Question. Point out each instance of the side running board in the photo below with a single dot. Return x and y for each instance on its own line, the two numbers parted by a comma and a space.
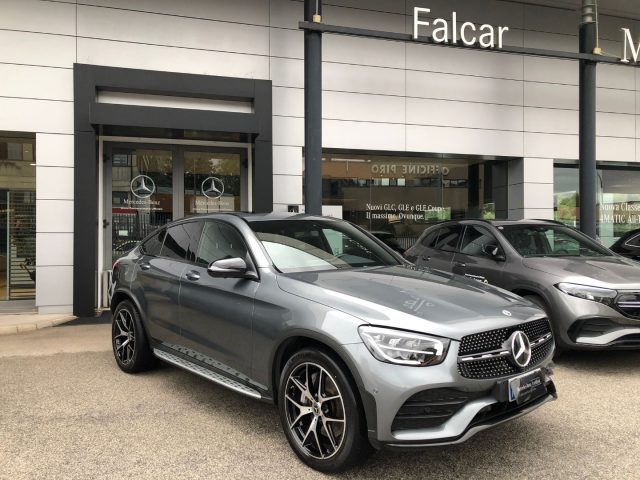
206, 373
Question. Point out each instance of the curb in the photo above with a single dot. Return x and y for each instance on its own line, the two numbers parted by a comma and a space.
23, 327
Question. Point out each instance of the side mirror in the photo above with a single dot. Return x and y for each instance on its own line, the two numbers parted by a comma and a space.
231, 268
494, 252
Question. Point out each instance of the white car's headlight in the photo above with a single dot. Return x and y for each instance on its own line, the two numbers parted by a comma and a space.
596, 294
403, 348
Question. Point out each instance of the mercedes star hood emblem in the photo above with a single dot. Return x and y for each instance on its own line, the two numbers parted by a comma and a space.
520, 348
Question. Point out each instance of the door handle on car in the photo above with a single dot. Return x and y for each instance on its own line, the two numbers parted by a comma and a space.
425, 258
192, 275
145, 266
461, 265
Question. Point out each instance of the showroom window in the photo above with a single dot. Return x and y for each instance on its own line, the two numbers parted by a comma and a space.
618, 199
403, 194
17, 217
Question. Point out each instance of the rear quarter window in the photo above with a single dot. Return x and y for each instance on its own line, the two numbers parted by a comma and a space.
153, 245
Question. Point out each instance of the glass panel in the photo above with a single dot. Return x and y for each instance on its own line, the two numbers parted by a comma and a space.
211, 182
475, 241
219, 242
319, 245
400, 195
618, 200
448, 238
182, 240
141, 195
17, 218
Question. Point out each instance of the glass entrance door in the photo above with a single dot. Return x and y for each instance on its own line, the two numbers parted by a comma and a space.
139, 195
148, 185
212, 181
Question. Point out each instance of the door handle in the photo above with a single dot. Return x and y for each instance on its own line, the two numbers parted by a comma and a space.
193, 276
425, 258
145, 266
461, 265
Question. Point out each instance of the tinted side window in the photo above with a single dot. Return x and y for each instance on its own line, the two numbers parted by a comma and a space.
220, 241
448, 238
181, 241
476, 239
430, 239
154, 244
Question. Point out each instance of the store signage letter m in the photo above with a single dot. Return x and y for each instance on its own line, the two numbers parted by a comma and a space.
628, 42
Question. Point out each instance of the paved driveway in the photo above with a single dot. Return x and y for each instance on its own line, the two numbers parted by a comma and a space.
67, 411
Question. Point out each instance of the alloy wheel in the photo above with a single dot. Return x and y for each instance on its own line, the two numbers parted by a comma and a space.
124, 337
315, 410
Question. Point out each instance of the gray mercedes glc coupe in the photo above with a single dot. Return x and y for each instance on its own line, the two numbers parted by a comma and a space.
355, 346
591, 295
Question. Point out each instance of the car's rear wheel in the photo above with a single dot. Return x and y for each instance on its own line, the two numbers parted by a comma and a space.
128, 339
319, 412
561, 346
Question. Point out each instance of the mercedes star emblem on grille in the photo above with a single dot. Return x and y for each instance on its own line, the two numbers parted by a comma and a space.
520, 348
212, 188
143, 186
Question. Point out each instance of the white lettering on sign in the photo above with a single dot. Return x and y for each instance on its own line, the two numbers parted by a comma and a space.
468, 31
628, 41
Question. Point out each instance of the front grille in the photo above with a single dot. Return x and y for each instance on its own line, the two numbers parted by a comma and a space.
493, 341
629, 304
431, 408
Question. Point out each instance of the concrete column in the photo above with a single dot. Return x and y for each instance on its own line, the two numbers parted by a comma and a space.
531, 188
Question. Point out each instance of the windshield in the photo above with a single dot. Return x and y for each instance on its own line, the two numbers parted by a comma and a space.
303, 245
551, 241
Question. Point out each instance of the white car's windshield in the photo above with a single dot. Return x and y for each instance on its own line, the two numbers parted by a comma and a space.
551, 241
302, 245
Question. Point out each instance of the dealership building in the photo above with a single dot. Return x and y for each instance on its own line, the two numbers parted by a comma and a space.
117, 116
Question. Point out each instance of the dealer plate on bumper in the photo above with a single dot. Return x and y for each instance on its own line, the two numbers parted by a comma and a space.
526, 387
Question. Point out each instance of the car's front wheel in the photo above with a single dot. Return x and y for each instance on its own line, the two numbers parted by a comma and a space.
319, 412
130, 346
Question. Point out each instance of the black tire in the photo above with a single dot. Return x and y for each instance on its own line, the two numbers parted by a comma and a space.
561, 346
347, 436
127, 330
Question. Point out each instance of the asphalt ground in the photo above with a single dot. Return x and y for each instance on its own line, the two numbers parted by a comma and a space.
67, 412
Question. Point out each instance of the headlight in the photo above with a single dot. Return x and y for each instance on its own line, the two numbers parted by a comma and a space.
596, 294
403, 348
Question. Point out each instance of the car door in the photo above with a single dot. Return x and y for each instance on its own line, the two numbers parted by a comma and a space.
480, 256
216, 313
440, 256
156, 285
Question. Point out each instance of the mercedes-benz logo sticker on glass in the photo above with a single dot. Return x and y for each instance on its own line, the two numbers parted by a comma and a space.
143, 186
212, 188
520, 348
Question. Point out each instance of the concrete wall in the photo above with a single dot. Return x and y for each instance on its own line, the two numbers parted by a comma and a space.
378, 95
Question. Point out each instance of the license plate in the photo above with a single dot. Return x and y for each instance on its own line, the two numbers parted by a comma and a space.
526, 387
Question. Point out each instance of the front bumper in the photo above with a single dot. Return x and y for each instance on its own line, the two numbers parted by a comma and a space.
482, 404
589, 325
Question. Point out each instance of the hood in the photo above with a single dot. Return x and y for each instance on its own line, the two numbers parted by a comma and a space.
613, 272
420, 300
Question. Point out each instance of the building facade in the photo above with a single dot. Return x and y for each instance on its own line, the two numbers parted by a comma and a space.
118, 116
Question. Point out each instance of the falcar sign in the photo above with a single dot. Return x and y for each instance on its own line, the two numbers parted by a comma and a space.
489, 36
